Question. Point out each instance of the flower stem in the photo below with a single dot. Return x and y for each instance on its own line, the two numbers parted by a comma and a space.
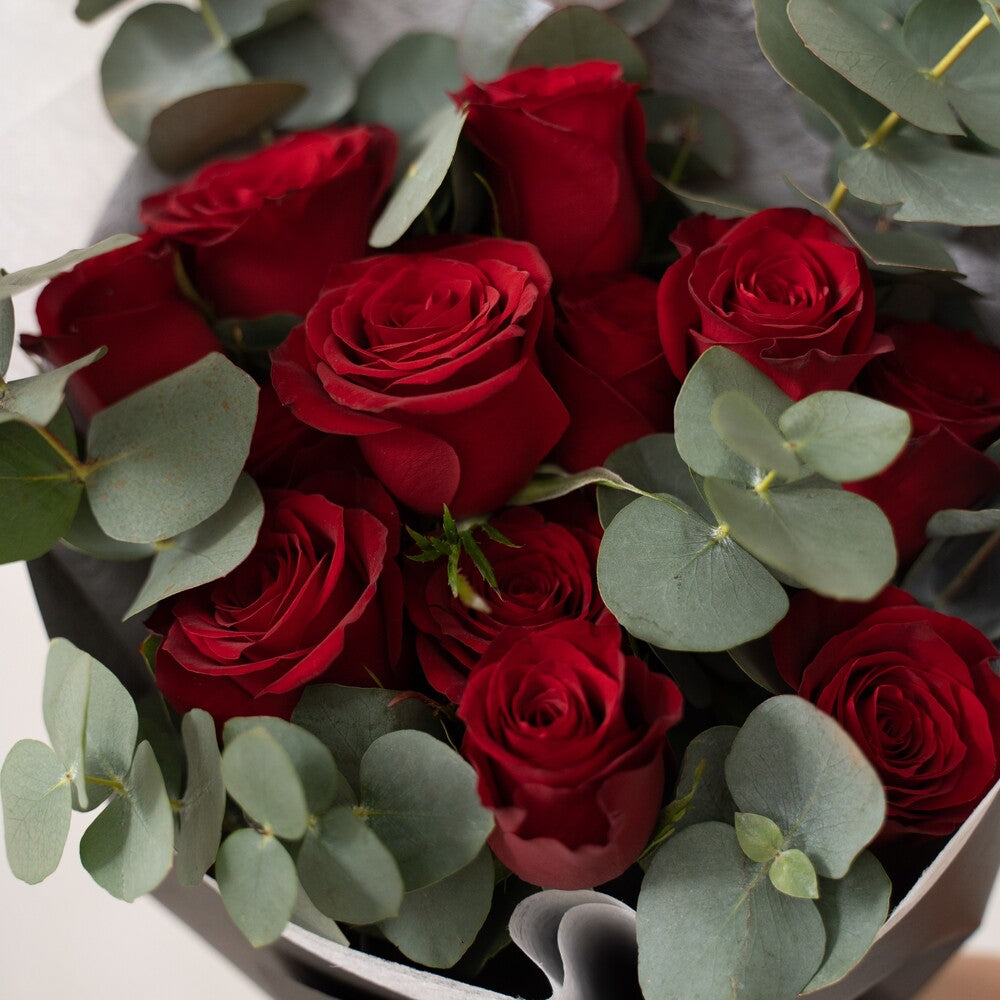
891, 120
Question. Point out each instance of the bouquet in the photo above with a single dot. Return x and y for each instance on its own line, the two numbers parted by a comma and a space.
538, 536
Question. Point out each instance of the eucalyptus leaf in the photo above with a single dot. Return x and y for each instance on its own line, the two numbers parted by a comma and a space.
834, 542
436, 925
207, 551
747, 432
636, 16
853, 909
717, 371
88, 10
6, 331
711, 926
421, 801
37, 807
348, 720
168, 456
759, 838
20, 281
550, 484
951, 522
756, 660
844, 436
792, 873
65, 698
703, 771
717, 201
257, 883
306, 915
240, 18
991, 10
577, 34
87, 536
37, 398
439, 137
304, 52
346, 871
258, 333
204, 804
129, 847
794, 763
680, 121
675, 580
493, 30
261, 776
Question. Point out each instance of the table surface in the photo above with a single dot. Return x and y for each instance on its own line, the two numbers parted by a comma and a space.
60, 158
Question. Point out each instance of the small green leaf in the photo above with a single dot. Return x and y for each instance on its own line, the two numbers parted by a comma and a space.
705, 759
129, 848
204, 804
492, 31
257, 883
347, 871
261, 776
747, 432
792, 873
794, 763
844, 436
169, 455
240, 18
550, 483
207, 551
6, 331
37, 808
20, 281
36, 399
437, 924
759, 838
950, 523
439, 137
421, 800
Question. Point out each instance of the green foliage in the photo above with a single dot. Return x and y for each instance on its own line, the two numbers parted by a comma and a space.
950, 523
745, 430
635, 16
88, 10
704, 765
86, 535
204, 804
793, 874
6, 331
550, 482
242, 18
20, 281
760, 838
37, 399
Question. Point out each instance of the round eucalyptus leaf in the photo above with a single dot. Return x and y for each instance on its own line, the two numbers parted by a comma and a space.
437, 139
240, 18
673, 580
747, 432
409, 82
87, 536
844, 436
20, 281
261, 776
306, 915
322, 783
834, 542
65, 698
88, 10
717, 371
573, 35
188, 129
129, 847
37, 399
304, 52
257, 883
795, 764
636, 16
161, 53
37, 808
756, 660
168, 456
493, 30
349, 720
711, 926
421, 801
792, 873
437, 924
950, 523
853, 909
207, 551
204, 804
759, 837
6, 332
703, 772
346, 871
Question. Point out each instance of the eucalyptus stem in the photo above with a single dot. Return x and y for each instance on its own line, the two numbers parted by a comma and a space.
219, 36
105, 783
891, 120
78, 467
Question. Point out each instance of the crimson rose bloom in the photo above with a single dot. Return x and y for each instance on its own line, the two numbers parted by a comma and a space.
548, 577
429, 358
566, 152
782, 288
264, 229
319, 597
128, 301
568, 737
914, 689
607, 365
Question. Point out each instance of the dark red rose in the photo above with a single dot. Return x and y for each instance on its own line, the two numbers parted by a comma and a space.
915, 690
318, 598
568, 737
264, 229
429, 359
607, 365
566, 159
783, 289
549, 577
128, 301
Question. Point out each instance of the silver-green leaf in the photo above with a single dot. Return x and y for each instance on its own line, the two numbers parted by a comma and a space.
20, 281
204, 803
37, 398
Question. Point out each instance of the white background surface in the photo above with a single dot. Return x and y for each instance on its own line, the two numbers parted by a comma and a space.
60, 158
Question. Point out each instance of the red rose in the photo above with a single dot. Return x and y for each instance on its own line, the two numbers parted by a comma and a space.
913, 688
568, 737
128, 301
783, 289
264, 229
429, 358
549, 577
566, 152
607, 365
320, 596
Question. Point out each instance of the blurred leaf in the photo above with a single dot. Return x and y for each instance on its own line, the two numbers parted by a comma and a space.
492, 31
680, 121
36, 810
792, 873
756, 660
20, 281
747, 432
720, 203
204, 804
88, 10
168, 456
636, 16
6, 330
260, 333
992, 11
304, 52
37, 398
951, 522
240, 18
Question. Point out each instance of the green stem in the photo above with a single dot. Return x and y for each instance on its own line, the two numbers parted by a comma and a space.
212, 22
79, 468
106, 783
